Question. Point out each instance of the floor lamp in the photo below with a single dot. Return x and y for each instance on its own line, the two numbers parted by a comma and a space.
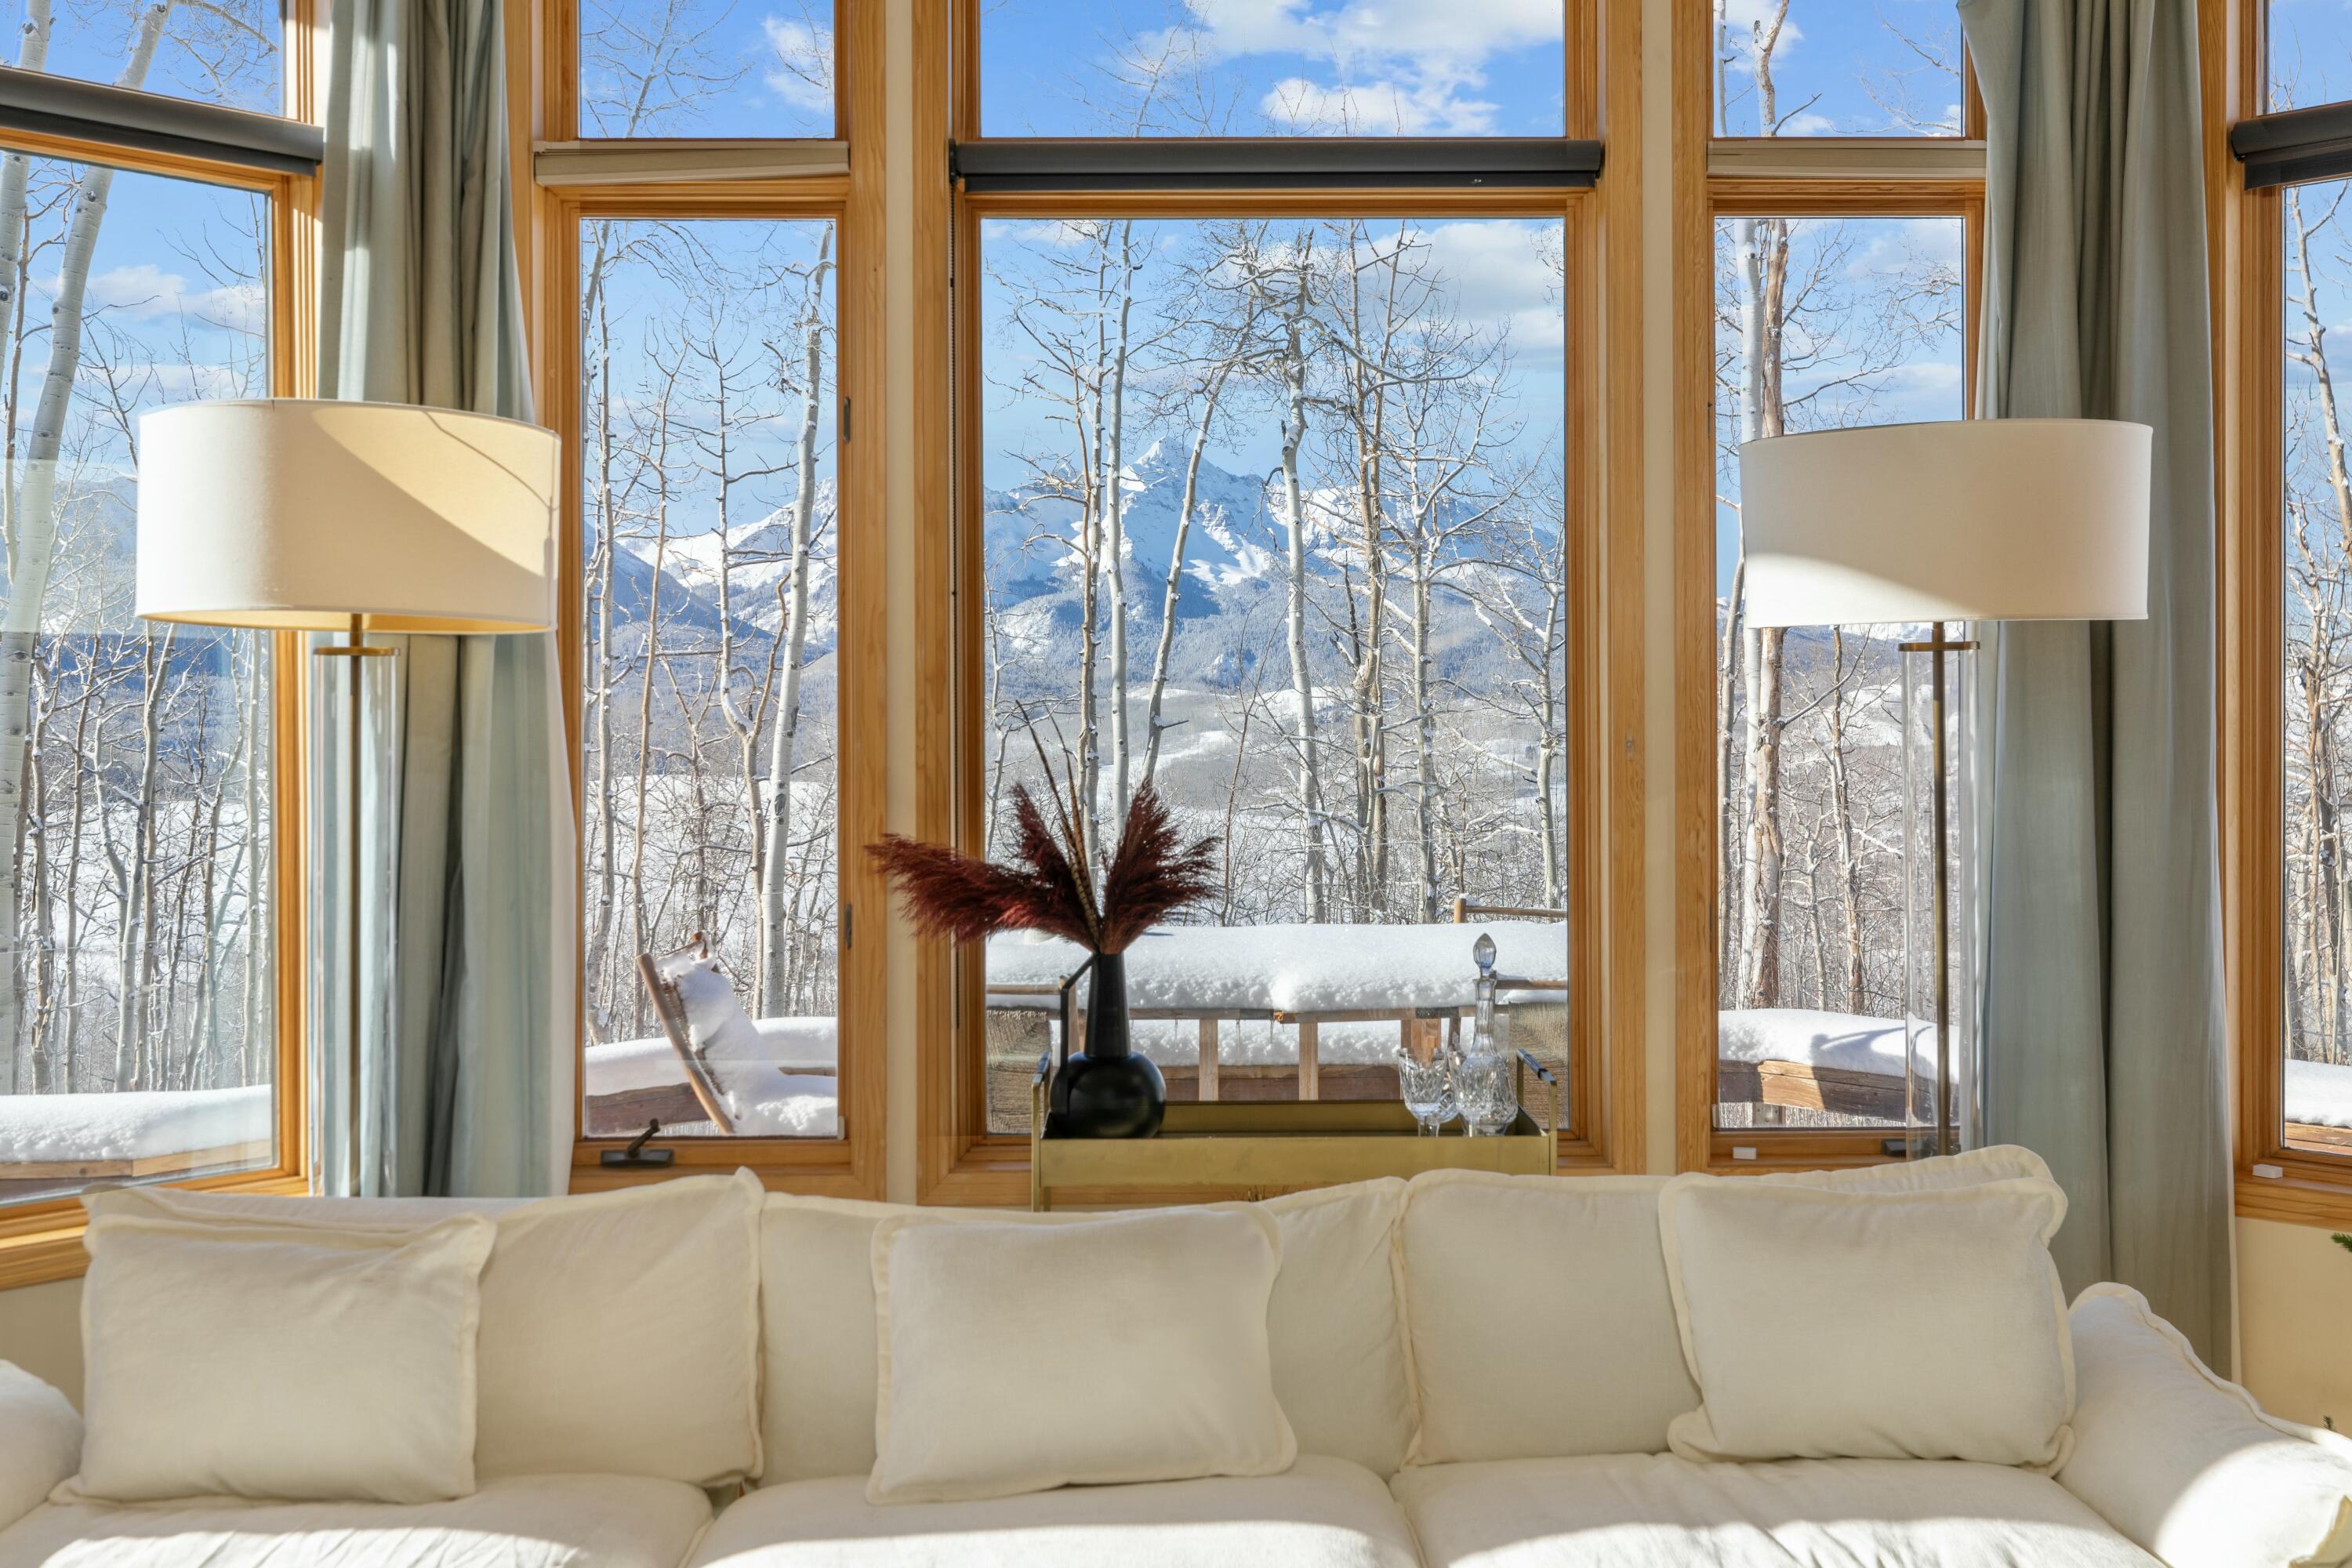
295, 514
1937, 525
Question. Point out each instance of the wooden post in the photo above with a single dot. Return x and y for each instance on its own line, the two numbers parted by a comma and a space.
1208, 1086
1309, 1042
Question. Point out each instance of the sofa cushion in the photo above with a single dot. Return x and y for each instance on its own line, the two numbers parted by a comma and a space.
655, 1288
542, 1521
1320, 1513
1572, 1265
1019, 1358
1910, 1325
1654, 1511
1332, 1326
230, 1361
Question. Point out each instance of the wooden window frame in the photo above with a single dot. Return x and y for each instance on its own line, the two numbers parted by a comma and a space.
1714, 177
602, 181
41, 1242
2247, 255
957, 1160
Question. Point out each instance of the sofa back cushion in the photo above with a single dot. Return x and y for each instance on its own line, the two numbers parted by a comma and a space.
301, 1363
1538, 1316
620, 1332
1332, 1325
1893, 1325
1540, 1322
1128, 1348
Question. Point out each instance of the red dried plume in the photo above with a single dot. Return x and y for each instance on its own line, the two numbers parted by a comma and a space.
1047, 888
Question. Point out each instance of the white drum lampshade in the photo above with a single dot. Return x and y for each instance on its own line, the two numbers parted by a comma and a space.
1963, 520
297, 514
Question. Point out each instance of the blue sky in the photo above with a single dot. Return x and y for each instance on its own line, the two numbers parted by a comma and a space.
1849, 67
2310, 52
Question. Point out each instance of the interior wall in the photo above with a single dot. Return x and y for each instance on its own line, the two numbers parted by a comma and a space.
40, 1330
2294, 1297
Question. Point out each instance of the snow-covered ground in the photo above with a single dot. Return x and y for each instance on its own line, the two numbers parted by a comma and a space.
41, 1127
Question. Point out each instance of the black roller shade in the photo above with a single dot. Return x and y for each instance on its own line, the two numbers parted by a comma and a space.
1274, 163
151, 122
2295, 145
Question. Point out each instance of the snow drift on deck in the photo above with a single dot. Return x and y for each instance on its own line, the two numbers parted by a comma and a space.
1847, 1042
2319, 1094
1296, 968
142, 1125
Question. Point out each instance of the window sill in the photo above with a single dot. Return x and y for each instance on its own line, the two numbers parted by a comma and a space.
2297, 1197
45, 1245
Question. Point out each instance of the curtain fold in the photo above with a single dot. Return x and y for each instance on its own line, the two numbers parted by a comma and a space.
465, 1081
2103, 1029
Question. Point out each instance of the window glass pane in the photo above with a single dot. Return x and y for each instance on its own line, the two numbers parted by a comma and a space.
1367, 706
1273, 67
706, 68
1831, 67
137, 1022
220, 51
1819, 323
2316, 517
707, 446
2310, 53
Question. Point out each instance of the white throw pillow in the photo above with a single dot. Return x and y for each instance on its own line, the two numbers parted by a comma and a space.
1823, 1324
302, 1365
2187, 1463
620, 1330
1015, 1358
1333, 1324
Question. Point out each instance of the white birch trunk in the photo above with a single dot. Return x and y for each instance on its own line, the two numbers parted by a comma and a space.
776, 924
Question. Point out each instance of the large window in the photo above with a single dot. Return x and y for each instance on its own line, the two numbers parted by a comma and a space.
1820, 322
709, 550
137, 1020
1274, 521
1811, 301
2288, 593
714, 366
1278, 399
149, 1030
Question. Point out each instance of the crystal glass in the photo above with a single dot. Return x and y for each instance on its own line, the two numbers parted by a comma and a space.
1489, 1098
1427, 1090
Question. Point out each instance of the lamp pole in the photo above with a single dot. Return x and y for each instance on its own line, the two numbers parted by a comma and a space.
352, 652
1938, 647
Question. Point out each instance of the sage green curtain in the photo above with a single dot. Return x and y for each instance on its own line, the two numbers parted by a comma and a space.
466, 1076
2103, 983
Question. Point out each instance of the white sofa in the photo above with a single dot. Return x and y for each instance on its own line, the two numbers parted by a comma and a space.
1529, 1435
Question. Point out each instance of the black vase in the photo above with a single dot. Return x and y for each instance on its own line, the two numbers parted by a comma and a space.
1107, 1090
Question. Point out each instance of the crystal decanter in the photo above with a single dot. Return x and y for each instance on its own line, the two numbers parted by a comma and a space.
1488, 1099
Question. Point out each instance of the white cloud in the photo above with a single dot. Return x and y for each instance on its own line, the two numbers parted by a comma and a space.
803, 73
145, 292
1378, 108
1405, 30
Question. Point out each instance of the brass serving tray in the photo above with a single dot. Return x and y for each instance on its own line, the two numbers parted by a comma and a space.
1263, 1146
